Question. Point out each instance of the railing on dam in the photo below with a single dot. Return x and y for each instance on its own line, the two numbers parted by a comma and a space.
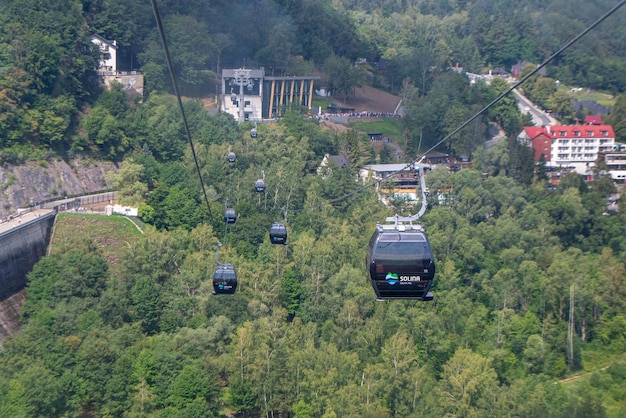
80, 201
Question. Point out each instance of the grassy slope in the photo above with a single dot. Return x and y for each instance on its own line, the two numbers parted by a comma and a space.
603, 99
391, 128
112, 235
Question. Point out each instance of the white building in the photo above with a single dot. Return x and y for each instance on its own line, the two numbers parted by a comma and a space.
574, 146
250, 95
616, 163
108, 54
108, 72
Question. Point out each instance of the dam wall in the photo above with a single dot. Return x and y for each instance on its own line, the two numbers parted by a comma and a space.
23, 241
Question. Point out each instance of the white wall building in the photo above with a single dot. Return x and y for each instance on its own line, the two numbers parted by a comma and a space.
574, 146
108, 53
616, 163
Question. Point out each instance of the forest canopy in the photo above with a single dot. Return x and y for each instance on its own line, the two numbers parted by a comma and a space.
522, 271
531, 280
49, 87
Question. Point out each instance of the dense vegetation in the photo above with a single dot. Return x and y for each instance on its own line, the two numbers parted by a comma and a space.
48, 89
531, 282
304, 336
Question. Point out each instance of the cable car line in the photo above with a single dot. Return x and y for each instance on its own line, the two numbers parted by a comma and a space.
472, 118
408, 165
230, 216
399, 256
157, 17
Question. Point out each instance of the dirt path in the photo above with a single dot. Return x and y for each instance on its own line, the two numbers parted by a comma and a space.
370, 99
580, 376
336, 128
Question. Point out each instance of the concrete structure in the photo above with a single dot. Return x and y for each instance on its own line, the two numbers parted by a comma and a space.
124, 210
23, 241
249, 95
574, 146
616, 163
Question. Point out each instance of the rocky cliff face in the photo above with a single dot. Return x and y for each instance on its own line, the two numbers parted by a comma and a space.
24, 185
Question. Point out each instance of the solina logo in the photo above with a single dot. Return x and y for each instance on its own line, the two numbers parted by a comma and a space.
392, 278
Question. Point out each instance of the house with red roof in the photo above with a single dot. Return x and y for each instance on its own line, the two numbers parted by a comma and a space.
574, 146
539, 138
593, 120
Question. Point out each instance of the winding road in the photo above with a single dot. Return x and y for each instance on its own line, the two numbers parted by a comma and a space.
540, 118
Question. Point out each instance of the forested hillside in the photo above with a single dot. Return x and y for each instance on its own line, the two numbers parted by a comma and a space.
520, 268
530, 285
48, 88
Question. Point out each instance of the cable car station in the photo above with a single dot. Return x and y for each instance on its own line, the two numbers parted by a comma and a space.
250, 95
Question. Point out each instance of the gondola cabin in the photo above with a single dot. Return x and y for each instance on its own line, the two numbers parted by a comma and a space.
231, 157
259, 186
278, 233
230, 216
253, 133
224, 279
400, 263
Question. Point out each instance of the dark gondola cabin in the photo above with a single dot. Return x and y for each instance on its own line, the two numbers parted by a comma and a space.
224, 279
230, 216
259, 186
253, 133
278, 233
231, 157
400, 262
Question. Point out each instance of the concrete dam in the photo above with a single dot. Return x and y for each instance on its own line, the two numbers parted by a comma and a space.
23, 241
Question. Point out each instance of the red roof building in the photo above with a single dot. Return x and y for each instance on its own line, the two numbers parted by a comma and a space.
593, 120
569, 145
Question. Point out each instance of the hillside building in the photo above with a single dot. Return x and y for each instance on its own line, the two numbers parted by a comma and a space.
108, 71
576, 146
108, 53
395, 180
616, 163
250, 95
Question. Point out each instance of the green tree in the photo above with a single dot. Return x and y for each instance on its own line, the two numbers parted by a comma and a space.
240, 397
41, 390
191, 383
617, 118
541, 91
343, 77
146, 304
468, 386
534, 354
127, 181
291, 292
189, 43
561, 104
302, 410
505, 112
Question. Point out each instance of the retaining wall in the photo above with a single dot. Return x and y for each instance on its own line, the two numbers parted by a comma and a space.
20, 248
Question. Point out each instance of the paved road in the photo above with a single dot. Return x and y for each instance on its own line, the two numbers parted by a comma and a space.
540, 118
22, 219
